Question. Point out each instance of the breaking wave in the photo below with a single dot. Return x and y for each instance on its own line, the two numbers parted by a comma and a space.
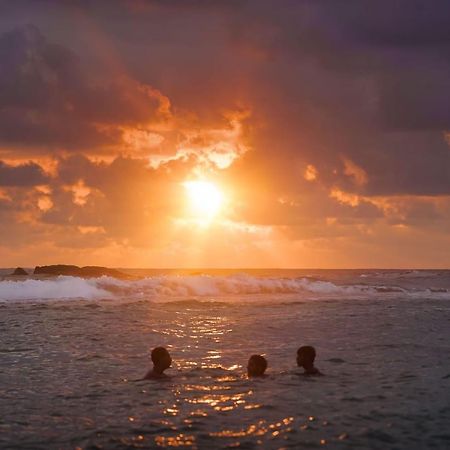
170, 287
55, 288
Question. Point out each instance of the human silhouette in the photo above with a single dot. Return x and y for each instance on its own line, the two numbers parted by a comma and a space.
305, 358
161, 361
256, 366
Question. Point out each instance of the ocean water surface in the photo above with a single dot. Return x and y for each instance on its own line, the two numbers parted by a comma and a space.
71, 351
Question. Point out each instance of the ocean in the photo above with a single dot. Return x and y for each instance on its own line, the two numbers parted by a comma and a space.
72, 352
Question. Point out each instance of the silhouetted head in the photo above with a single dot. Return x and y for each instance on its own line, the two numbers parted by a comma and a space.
306, 356
256, 366
161, 359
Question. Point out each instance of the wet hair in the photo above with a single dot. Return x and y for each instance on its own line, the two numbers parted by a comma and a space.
260, 362
307, 352
158, 353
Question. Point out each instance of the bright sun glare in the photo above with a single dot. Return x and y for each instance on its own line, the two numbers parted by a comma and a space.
204, 197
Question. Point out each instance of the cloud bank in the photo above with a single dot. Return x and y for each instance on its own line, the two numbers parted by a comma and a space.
326, 125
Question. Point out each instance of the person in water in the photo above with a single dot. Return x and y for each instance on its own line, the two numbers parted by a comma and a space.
161, 361
256, 366
305, 358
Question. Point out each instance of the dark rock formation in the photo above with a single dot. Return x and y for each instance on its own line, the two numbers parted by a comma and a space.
58, 269
75, 271
19, 271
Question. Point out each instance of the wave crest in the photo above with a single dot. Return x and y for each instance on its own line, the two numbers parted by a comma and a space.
194, 286
61, 287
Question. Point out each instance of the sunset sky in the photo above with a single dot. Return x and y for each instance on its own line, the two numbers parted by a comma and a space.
225, 133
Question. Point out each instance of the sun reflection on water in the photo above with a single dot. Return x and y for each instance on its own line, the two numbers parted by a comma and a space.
211, 387
261, 428
220, 402
172, 411
181, 440
199, 387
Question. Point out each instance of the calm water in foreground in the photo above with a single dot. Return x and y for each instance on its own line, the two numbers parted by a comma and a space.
70, 348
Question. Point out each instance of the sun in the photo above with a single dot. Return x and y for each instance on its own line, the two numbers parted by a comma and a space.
205, 198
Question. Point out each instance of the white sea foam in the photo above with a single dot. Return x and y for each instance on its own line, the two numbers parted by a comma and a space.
241, 286
61, 287
205, 285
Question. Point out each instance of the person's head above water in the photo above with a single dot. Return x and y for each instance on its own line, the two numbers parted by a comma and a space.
256, 366
305, 358
161, 359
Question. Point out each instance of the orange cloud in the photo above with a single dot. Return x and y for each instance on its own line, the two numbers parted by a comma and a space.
345, 197
310, 173
352, 170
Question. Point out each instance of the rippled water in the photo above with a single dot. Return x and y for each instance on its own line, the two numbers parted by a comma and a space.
67, 368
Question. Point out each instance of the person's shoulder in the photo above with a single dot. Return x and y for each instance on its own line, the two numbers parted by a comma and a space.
312, 372
155, 376
151, 375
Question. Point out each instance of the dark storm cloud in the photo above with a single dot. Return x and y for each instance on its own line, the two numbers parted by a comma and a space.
188, 3
366, 80
404, 23
48, 98
327, 82
23, 175
418, 100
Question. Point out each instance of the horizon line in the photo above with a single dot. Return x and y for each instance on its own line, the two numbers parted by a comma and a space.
231, 268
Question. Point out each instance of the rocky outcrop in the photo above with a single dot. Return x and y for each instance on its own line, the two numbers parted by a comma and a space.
75, 271
19, 271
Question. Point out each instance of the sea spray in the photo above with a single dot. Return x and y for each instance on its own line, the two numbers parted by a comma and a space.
165, 287
61, 287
